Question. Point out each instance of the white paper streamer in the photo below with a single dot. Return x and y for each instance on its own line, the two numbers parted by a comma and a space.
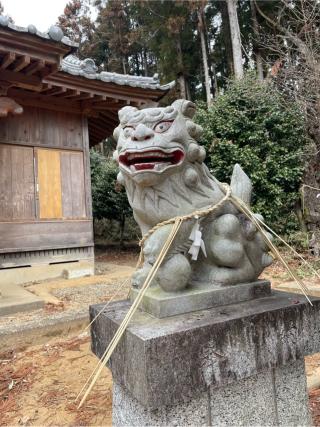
197, 241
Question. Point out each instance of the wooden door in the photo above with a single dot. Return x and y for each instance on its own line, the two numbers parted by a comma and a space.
17, 183
49, 184
61, 184
73, 187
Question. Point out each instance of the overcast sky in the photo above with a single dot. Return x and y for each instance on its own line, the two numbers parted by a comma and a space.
41, 13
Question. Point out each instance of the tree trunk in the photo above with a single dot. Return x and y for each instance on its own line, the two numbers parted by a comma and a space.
256, 49
145, 62
204, 55
310, 192
301, 220
211, 65
235, 38
137, 64
124, 65
122, 228
181, 76
182, 86
187, 89
226, 36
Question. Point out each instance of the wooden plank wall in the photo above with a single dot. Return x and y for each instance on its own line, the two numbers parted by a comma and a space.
17, 187
43, 128
87, 173
16, 237
20, 138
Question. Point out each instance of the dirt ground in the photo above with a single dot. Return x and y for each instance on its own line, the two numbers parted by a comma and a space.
39, 384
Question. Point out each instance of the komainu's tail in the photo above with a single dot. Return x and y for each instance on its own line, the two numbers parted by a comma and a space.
241, 185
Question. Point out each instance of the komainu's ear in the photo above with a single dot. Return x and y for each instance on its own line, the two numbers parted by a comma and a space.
187, 108
116, 133
125, 113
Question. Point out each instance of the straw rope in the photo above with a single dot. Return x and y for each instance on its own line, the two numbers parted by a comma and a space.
117, 292
260, 224
113, 343
177, 221
176, 224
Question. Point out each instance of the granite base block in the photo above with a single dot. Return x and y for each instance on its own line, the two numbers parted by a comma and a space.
275, 397
239, 364
127, 411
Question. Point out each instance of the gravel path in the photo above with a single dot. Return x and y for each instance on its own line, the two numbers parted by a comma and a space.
87, 295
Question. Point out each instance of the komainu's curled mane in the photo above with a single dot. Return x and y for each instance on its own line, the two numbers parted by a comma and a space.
161, 166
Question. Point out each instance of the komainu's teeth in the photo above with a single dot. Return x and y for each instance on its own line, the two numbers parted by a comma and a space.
131, 156
156, 160
160, 166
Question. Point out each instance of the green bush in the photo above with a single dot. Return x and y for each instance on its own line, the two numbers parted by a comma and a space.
109, 201
252, 125
108, 231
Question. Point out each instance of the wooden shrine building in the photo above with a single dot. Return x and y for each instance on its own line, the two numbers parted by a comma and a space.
67, 107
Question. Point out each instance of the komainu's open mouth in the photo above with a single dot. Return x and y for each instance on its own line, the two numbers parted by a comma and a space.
153, 160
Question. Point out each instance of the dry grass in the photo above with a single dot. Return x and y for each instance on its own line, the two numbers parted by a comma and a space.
278, 274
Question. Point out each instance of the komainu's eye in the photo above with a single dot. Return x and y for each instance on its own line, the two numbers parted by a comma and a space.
127, 131
162, 126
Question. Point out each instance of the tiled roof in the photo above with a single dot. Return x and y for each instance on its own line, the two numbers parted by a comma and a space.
88, 69
54, 33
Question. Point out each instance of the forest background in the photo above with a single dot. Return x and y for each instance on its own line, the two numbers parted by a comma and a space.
253, 68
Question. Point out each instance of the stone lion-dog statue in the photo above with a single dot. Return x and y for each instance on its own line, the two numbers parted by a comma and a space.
162, 169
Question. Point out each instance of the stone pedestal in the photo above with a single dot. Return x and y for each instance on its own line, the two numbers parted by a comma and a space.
199, 296
238, 364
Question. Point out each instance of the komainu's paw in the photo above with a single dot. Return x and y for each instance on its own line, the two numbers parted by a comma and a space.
139, 276
174, 274
238, 248
226, 241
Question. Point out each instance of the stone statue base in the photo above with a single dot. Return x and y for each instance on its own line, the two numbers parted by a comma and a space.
239, 364
200, 296
274, 397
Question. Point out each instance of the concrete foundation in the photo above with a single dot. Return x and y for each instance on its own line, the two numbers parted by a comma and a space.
239, 364
70, 270
14, 299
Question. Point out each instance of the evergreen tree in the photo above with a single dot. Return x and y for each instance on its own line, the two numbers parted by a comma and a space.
253, 125
292, 46
76, 24
108, 200
173, 39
